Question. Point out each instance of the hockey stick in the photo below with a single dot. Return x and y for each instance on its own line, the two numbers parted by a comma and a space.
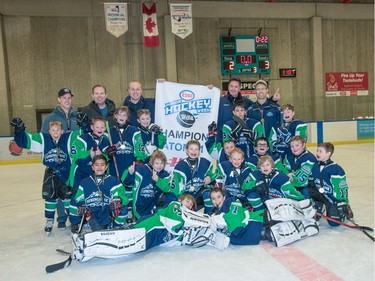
361, 228
355, 226
114, 156
64, 264
343, 223
61, 251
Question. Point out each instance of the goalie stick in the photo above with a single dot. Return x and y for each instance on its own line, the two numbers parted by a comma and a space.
64, 264
364, 229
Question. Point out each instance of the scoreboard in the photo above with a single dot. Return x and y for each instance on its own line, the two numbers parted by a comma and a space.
244, 55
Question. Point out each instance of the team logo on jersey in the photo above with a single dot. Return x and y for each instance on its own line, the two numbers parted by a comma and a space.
54, 156
188, 108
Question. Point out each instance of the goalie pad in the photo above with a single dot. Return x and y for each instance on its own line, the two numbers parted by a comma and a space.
195, 219
108, 244
283, 209
200, 236
284, 233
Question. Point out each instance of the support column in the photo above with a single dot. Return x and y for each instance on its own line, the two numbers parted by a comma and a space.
5, 102
317, 67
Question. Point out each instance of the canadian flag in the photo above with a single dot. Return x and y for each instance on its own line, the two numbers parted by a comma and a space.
150, 26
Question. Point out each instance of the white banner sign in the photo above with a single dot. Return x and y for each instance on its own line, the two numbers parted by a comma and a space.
181, 19
184, 112
116, 18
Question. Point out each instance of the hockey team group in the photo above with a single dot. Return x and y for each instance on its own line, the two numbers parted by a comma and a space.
108, 172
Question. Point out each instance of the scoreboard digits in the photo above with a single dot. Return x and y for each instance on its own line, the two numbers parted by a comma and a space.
244, 55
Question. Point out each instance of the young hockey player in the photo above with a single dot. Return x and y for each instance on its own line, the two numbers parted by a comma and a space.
173, 225
216, 149
235, 221
233, 173
268, 183
289, 128
283, 221
262, 148
297, 164
330, 192
128, 142
242, 130
101, 198
55, 148
152, 135
150, 185
193, 175
84, 149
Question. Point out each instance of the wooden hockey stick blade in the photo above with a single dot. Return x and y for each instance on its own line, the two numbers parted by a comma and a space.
58, 266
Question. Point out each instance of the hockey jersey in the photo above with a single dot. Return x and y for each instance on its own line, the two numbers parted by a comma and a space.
130, 148
331, 177
259, 187
96, 195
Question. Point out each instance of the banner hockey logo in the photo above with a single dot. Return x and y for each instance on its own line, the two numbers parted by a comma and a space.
187, 108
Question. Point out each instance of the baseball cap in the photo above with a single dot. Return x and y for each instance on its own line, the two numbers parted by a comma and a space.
260, 81
64, 91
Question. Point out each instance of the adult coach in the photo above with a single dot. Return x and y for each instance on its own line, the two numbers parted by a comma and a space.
264, 110
101, 105
64, 112
233, 96
135, 101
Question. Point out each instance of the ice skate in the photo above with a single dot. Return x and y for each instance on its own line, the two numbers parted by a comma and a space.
49, 226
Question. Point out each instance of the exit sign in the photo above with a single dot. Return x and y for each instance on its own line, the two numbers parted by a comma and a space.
288, 72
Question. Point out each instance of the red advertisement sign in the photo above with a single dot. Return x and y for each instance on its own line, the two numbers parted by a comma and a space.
346, 84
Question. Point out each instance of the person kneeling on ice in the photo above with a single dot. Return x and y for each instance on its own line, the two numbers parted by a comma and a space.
330, 188
173, 225
283, 221
100, 198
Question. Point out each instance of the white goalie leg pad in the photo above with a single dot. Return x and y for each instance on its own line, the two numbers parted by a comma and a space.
197, 236
307, 208
201, 236
287, 232
219, 241
109, 244
195, 219
283, 209
310, 226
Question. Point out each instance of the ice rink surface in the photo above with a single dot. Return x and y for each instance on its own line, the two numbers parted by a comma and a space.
334, 254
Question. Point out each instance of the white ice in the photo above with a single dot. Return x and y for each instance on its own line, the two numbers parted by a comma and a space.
334, 254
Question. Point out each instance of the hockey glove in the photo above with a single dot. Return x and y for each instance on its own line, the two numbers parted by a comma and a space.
139, 163
344, 210
111, 150
155, 129
82, 120
280, 147
115, 206
18, 125
212, 129
236, 132
249, 134
83, 211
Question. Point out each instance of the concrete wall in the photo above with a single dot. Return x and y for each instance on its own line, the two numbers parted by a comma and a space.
48, 45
